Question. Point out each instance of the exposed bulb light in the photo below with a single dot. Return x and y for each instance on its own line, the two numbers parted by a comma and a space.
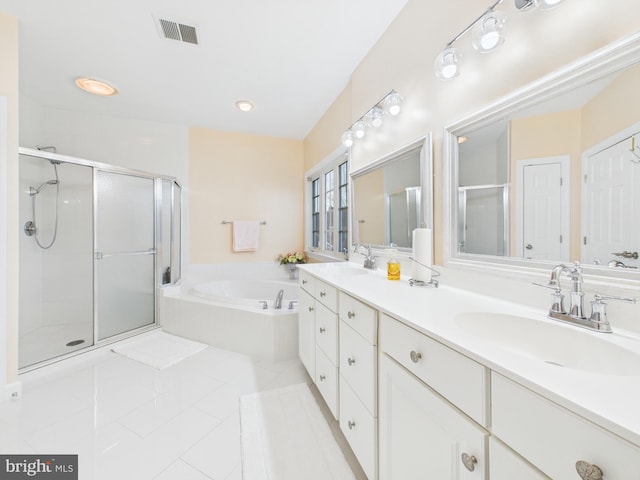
96, 87
244, 105
376, 116
447, 64
347, 138
393, 103
358, 129
487, 34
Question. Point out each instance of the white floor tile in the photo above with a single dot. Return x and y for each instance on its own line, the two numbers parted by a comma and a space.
218, 454
179, 470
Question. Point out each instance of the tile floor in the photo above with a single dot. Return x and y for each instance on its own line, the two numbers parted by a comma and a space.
126, 420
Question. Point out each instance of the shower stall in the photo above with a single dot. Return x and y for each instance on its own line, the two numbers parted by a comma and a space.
98, 243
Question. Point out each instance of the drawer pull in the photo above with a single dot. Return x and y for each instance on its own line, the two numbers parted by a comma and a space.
469, 461
415, 356
322, 330
322, 377
304, 282
351, 424
311, 309
323, 294
351, 361
350, 314
587, 471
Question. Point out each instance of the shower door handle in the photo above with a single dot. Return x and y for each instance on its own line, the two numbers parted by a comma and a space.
101, 255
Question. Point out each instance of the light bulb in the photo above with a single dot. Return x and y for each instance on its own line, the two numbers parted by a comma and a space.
376, 116
244, 105
393, 103
447, 64
358, 129
347, 138
487, 34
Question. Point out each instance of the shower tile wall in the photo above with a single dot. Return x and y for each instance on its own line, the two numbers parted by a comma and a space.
56, 284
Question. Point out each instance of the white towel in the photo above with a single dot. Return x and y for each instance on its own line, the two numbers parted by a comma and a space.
246, 235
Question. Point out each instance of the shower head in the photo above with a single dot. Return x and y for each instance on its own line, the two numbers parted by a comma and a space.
35, 191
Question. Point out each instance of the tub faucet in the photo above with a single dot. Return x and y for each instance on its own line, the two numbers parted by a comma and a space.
278, 303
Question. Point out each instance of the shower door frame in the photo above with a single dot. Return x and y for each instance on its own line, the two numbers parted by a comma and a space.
159, 244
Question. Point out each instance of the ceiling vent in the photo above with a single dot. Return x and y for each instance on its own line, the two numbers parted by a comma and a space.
177, 31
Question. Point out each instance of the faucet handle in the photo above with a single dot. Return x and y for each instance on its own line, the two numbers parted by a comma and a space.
557, 306
599, 309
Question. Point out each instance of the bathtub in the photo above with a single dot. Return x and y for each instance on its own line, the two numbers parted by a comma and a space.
226, 310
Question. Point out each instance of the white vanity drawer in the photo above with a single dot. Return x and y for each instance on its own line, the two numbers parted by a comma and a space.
327, 332
358, 365
359, 316
505, 464
307, 281
459, 379
327, 295
359, 428
327, 381
552, 438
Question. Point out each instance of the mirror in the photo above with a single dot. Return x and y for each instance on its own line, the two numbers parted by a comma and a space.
393, 196
552, 172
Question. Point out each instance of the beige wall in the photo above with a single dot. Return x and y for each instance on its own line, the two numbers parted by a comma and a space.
615, 108
548, 136
537, 42
370, 223
9, 89
236, 176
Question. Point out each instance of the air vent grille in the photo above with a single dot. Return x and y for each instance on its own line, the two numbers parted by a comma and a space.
177, 31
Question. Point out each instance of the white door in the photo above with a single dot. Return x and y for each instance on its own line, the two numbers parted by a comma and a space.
543, 236
609, 205
421, 435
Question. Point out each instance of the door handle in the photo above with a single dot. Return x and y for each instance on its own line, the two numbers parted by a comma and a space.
626, 254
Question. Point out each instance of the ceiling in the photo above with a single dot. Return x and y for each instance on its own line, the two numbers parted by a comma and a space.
290, 58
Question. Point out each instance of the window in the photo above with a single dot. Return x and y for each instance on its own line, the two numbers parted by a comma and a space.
328, 211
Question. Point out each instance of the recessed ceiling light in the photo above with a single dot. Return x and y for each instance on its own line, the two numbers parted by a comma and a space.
96, 87
244, 105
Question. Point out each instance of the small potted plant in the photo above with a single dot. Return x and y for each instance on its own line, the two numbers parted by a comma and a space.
291, 261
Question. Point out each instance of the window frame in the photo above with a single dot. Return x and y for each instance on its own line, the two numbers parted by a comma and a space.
331, 163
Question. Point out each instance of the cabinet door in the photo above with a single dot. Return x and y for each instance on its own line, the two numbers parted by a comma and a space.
306, 332
422, 435
505, 464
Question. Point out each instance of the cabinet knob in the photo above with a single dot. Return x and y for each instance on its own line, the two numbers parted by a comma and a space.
304, 282
351, 361
350, 314
322, 377
311, 309
351, 424
469, 461
323, 294
415, 356
322, 330
587, 471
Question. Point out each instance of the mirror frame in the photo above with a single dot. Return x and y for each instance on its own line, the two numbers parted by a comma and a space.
425, 143
616, 56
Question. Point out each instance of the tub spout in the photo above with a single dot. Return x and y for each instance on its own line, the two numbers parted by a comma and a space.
278, 303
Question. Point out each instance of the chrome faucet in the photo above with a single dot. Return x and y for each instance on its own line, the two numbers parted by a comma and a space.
597, 320
369, 259
278, 303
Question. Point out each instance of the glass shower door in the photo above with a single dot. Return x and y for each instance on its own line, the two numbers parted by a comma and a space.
124, 254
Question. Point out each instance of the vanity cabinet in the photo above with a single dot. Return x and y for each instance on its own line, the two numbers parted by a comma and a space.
358, 380
318, 336
505, 464
554, 439
423, 434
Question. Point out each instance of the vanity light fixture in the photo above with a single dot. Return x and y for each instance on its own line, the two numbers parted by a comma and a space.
96, 87
244, 105
486, 37
390, 104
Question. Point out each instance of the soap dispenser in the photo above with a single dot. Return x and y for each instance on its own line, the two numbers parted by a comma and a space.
393, 265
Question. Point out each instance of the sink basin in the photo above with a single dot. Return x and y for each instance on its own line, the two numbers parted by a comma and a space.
555, 344
346, 269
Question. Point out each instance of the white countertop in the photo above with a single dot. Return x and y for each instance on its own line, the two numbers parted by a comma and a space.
612, 401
